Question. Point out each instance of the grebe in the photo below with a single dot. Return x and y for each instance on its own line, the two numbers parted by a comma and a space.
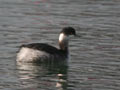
42, 52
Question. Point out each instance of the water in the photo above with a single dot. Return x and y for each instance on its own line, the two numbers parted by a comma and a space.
95, 57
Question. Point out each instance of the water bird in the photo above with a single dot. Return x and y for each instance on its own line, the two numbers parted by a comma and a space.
41, 52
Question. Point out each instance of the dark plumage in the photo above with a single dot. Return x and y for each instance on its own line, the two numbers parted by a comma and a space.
68, 31
43, 47
42, 51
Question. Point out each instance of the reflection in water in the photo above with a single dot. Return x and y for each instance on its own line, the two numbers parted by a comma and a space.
95, 62
49, 75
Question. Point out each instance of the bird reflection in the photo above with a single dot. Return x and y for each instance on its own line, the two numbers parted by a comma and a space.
43, 75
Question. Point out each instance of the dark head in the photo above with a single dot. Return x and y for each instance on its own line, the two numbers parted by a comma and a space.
68, 31
64, 37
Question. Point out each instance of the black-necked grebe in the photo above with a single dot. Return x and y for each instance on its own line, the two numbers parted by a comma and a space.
40, 51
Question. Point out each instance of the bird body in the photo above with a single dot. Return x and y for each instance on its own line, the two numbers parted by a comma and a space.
43, 52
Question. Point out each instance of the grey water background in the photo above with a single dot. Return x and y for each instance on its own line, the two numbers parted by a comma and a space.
95, 56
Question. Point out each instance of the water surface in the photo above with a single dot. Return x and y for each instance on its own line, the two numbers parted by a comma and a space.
95, 57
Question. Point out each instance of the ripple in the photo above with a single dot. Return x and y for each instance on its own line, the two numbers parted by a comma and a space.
95, 55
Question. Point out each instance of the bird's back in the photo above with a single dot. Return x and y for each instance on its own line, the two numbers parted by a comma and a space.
41, 51
42, 47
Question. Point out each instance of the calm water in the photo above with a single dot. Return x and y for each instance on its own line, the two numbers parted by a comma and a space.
95, 57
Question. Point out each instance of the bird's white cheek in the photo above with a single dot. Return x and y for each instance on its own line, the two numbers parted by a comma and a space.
63, 37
